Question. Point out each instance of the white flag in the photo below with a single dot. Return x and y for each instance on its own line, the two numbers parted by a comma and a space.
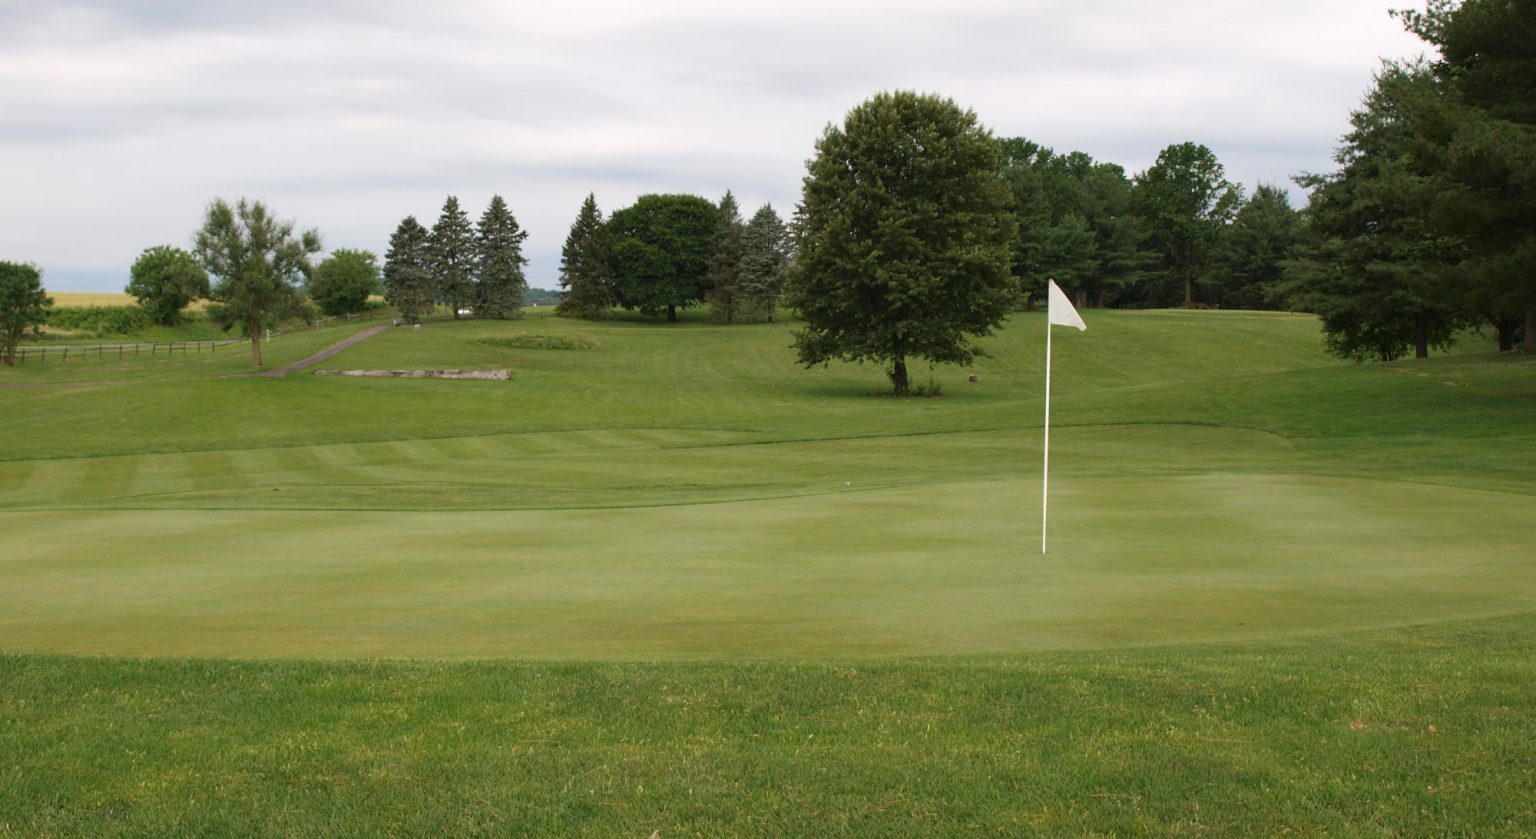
1060, 311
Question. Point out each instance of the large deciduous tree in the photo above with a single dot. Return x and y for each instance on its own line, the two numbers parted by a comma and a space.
499, 262
659, 250
904, 234
1187, 201
452, 261
584, 268
260, 263
23, 306
408, 284
342, 282
165, 279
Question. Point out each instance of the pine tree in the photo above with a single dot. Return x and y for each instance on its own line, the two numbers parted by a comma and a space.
408, 282
453, 256
724, 278
764, 258
584, 270
499, 262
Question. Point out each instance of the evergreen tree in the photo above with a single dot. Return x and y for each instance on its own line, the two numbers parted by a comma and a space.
1482, 131
584, 270
1373, 268
724, 277
764, 262
453, 256
499, 262
408, 284
1252, 252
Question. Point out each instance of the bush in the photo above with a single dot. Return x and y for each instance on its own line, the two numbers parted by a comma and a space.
99, 320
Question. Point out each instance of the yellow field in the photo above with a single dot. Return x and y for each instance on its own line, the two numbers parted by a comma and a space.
90, 298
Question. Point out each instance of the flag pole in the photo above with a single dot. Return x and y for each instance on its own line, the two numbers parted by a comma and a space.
1045, 479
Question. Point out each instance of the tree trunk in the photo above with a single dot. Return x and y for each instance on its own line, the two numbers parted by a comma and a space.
1189, 287
1421, 337
671, 314
254, 325
899, 377
1529, 344
1506, 327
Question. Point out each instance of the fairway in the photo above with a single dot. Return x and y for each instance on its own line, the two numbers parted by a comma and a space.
688, 493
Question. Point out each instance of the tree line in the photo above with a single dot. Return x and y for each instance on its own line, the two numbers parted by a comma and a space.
665, 253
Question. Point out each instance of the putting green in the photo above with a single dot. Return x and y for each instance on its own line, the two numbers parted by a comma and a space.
942, 568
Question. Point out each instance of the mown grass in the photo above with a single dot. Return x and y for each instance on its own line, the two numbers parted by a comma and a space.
1412, 732
703, 590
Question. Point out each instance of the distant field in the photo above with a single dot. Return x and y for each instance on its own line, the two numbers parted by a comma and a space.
1283, 593
90, 298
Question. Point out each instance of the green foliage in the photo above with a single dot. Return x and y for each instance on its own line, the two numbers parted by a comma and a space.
343, 281
1480, 134
659, 250
1187, 202
259, 262
724, 279
23, 306
451, 256
408, 284
765, 256
499, 262
903, 237
165, 279
1250, 256
584, 265
1077, 224
1373, 268
100, 320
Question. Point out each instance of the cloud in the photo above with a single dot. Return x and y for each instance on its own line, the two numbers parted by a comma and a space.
125, 119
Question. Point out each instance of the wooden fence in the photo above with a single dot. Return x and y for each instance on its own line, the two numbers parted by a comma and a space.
65, 352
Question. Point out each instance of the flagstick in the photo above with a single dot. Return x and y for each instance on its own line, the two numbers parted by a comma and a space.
1045, 480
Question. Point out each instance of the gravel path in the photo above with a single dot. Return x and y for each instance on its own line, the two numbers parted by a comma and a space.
325, 353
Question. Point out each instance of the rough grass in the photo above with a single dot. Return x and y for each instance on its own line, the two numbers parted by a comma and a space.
709, 592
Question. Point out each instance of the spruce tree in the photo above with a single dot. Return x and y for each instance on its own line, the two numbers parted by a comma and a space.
764, 258
408, 284
584, 270
499, 262
453, 256
724, 278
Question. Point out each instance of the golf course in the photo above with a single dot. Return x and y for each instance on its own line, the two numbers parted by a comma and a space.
665, 578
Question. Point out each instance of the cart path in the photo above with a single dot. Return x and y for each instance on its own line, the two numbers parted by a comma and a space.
325, 353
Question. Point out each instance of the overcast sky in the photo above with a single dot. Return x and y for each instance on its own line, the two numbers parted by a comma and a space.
120, 121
